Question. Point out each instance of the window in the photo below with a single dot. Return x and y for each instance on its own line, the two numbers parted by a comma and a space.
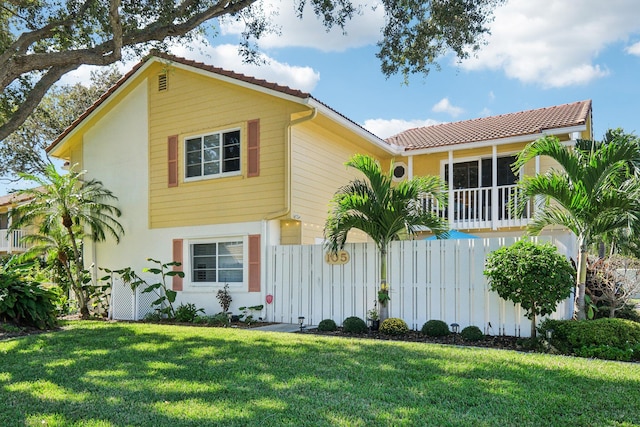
212, 155
217, 262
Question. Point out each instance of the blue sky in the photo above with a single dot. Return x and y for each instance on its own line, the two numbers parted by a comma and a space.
540, 53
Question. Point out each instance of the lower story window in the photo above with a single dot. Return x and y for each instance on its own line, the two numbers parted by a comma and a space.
217, 262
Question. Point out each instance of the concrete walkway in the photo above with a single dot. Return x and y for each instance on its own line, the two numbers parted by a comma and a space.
278, 327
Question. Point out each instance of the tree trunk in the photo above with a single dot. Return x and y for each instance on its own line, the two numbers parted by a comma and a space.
533, 326
384, 305
579, 309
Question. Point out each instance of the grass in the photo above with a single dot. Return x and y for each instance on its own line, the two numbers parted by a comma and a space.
122, 374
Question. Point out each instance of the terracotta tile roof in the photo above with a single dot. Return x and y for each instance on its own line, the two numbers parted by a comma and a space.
10, 199
531, 122
154, 54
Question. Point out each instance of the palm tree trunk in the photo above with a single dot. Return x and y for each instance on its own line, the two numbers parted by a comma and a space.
77, 283
384, 305
579, 310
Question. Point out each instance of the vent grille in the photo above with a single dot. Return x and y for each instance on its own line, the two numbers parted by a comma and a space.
162, 82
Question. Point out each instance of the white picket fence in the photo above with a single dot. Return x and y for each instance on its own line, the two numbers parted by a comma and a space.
439, 279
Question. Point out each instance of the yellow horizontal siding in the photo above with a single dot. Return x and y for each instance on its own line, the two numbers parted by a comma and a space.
194, 105
319, 154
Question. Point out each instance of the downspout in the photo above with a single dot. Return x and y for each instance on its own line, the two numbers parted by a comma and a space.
287, 178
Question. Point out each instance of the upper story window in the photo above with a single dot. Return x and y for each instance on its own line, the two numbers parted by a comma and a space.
214, 154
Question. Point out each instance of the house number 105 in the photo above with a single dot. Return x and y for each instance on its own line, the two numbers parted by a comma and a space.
337, 258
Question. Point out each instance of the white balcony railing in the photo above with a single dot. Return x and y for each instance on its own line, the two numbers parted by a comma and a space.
10, 241
477, 208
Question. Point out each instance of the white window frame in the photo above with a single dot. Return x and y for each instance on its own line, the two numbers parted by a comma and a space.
189, 268
220, 174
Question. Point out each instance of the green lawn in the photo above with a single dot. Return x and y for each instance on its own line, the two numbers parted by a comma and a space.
101, 374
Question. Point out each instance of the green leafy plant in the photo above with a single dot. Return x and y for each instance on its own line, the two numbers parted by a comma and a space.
24, 301
435, 328
224, 298
569, 337
327, 325
373, 314
471, 333
354, 325
533, 275
187, 313
606, 352
394, 326
247, 313
166, 296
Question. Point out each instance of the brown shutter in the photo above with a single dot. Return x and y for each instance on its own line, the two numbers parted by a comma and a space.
177, 256
173, 160
254, 263
253, 148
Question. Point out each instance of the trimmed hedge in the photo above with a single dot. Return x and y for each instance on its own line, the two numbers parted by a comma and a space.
616, 339
394, 326
435, 328
472, 333
354, 325
327, 325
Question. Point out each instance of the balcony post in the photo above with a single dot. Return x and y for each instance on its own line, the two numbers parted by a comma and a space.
450, 206
494, 187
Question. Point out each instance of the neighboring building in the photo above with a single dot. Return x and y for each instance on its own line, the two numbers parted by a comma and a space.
10, 241
212, 167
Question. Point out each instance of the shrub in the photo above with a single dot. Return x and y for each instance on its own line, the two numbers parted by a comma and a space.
26, 302
535, 276
220, 319
605, 352
591, 336
327, 325
224, 298
435, 328
472, 333
354, 325
187, 313
394, 326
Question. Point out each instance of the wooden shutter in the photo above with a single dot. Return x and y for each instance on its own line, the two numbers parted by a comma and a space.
173, 160
253, 148
254, 263
177, 256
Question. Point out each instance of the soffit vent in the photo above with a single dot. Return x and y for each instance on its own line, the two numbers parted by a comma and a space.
162, 82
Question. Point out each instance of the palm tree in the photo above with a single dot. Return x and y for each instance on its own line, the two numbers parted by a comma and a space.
596, 192
65, 209
382, 211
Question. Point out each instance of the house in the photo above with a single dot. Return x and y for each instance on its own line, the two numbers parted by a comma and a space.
10, 241
212, 168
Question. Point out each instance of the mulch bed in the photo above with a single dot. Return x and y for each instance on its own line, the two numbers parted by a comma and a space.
489, 341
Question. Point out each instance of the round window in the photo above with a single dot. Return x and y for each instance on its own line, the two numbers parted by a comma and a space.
399, 171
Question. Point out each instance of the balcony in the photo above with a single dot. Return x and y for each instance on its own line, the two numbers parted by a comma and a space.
478, 208
10, 241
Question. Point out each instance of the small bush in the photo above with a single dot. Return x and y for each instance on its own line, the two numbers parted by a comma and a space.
220, 319
472, 333
605, 352
154, 316
571, 337
354, 325
394, 326
186, 313
327, 325
435, 328
26, 302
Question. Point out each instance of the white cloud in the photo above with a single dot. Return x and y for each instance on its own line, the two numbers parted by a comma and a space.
444, 106
362, 30
634, 49
555, 45
384, 128
227, 57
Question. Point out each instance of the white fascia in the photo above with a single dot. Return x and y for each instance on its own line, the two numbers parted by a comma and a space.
338, 118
